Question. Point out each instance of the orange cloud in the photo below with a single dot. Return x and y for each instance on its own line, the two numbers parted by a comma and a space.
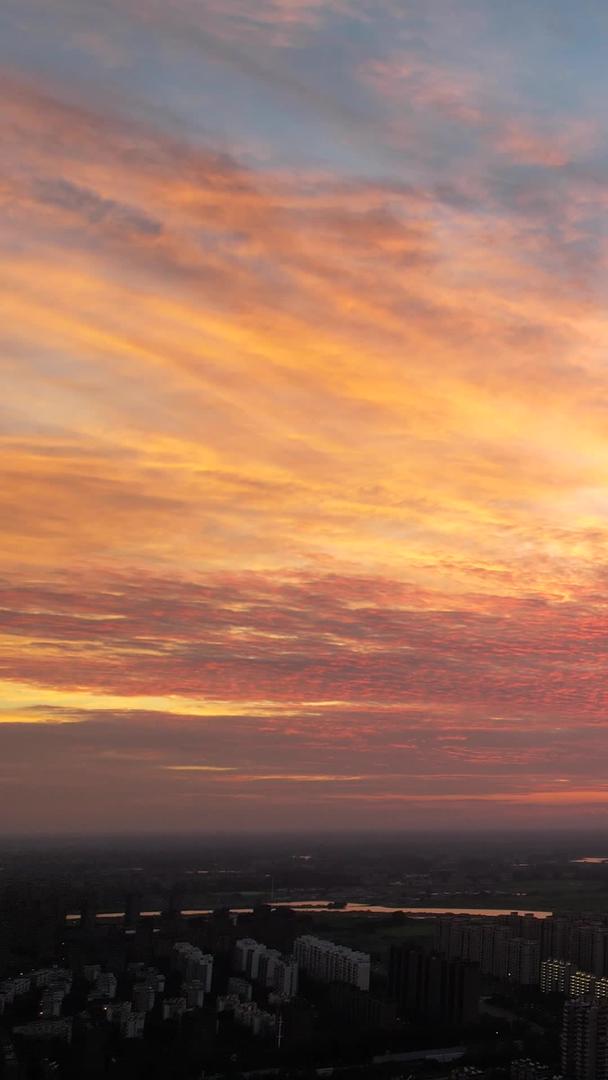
304, 472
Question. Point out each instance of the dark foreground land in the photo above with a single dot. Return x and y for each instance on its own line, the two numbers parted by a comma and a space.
121, 906
507, 871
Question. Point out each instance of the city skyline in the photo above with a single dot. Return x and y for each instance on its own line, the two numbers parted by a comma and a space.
304, 420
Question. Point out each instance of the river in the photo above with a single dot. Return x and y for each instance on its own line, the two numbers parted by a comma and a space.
320, 907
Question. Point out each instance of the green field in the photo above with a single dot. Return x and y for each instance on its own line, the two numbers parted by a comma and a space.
371, 933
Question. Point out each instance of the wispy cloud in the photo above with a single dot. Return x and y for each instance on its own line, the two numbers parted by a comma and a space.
303, 435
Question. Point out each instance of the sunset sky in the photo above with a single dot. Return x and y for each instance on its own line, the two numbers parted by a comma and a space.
304, 414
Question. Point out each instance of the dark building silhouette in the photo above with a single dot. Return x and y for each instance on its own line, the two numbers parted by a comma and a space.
88, 911
31, 924
175, 902
427, 986
133, 902
513, 946
360, 1008
584, 1041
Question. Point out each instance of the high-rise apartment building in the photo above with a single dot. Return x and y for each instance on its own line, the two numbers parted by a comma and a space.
600, 952
192, 963
584, 1041
508, 947
266, 966
555, 976
581, 946
243, 951
195, 994
581, 939
561, 976
582, 984
523, 961
431, 987
556, 937
285, 979
326, 962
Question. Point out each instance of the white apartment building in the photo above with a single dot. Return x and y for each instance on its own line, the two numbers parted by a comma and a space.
247, 956
193, 963
267, 963
266, 966
327, 962
254, 959
240, 987
195, 994
258, 1021
285, 980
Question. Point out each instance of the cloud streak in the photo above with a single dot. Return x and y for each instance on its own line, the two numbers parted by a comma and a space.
303, 438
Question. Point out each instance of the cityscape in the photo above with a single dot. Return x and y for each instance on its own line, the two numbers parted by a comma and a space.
256, 964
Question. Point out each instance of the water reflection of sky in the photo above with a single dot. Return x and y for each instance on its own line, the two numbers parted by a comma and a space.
321, 906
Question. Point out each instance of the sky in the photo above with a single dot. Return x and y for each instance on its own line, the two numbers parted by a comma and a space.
304, 419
